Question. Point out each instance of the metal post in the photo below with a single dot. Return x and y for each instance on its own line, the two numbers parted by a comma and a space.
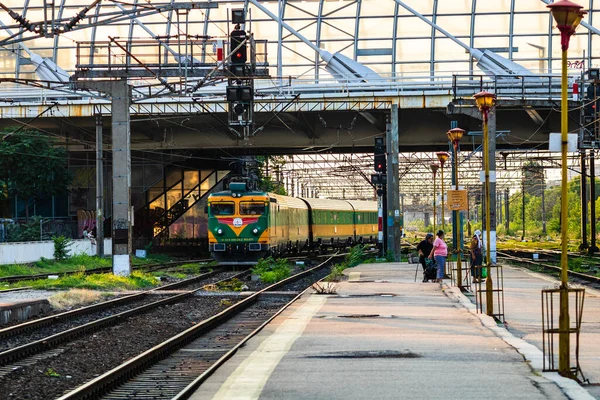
457, 222
564, 339
523, 205
393, 192
543, 205
491, 152
99, 189
593, 248
434, 169
443, 211
507, 210
584, 215
489, 294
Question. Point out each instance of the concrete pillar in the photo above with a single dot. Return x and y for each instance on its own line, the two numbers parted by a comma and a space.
121, 179
393, 187
99, 189
120, 93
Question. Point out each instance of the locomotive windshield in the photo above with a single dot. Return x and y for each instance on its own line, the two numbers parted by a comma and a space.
251, 208
222, 208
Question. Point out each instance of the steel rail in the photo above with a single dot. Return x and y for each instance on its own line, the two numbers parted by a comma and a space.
580, 275
49, 342
152, 267
136, 365
67, 315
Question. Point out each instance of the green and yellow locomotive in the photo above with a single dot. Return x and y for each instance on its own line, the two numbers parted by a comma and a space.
246, 225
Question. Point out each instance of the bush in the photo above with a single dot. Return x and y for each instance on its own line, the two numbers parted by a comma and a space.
27, 232
271, 270
61, 247
356, 255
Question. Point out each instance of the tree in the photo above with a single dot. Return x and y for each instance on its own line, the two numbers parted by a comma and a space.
31, 166
266, 182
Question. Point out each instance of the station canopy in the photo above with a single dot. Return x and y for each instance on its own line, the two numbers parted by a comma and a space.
391, 38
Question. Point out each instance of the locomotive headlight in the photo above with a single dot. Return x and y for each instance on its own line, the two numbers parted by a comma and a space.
219, 231
255, 231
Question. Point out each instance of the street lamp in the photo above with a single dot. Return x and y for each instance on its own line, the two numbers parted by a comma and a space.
486, 101
454, 135
567, 15
434, 169
443, 156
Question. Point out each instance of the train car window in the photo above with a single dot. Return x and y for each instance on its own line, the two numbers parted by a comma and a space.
222, 208
251, 208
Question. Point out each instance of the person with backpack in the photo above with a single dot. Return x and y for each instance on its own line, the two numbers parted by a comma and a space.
424, 248
476, 256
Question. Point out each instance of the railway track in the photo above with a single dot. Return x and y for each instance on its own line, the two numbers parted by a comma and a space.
176, 367
27, 339
145, 268
579, 275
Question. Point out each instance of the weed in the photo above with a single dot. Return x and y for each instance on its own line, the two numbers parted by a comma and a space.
74, 297
232, 285
356, 255
271, 270
52, 373
337, 272
225, 303
324, 288
193, 268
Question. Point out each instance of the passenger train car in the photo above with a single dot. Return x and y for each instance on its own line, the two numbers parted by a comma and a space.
246, 225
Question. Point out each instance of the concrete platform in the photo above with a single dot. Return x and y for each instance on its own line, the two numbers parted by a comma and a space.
22, 310
383, 336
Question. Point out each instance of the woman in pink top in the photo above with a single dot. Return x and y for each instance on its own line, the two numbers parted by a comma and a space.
439, 253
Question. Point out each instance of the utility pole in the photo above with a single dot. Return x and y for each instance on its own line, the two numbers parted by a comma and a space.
99, 189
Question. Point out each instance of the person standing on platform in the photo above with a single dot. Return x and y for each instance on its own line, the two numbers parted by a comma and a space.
439, 253
476, 256
424, 248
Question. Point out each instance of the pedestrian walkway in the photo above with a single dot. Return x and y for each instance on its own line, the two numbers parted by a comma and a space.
383, 336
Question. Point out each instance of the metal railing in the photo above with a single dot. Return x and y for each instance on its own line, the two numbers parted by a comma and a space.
458, 86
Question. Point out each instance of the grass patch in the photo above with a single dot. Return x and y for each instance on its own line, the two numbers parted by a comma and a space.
171, 274
151, 259
75, 297
137, 280
193, 268
46, 266
76, 262
270, 270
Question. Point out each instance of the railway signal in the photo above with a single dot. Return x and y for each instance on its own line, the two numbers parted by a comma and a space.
380, 159
238, 46
240, 99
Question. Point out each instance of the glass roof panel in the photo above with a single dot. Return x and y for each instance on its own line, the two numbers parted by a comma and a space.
336, 32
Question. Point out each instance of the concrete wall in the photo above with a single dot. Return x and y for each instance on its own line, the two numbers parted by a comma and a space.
26, 252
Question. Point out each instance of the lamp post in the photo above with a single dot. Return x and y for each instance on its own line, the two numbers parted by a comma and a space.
486, 101
455, 134
434, 169
567, 15
443, 156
